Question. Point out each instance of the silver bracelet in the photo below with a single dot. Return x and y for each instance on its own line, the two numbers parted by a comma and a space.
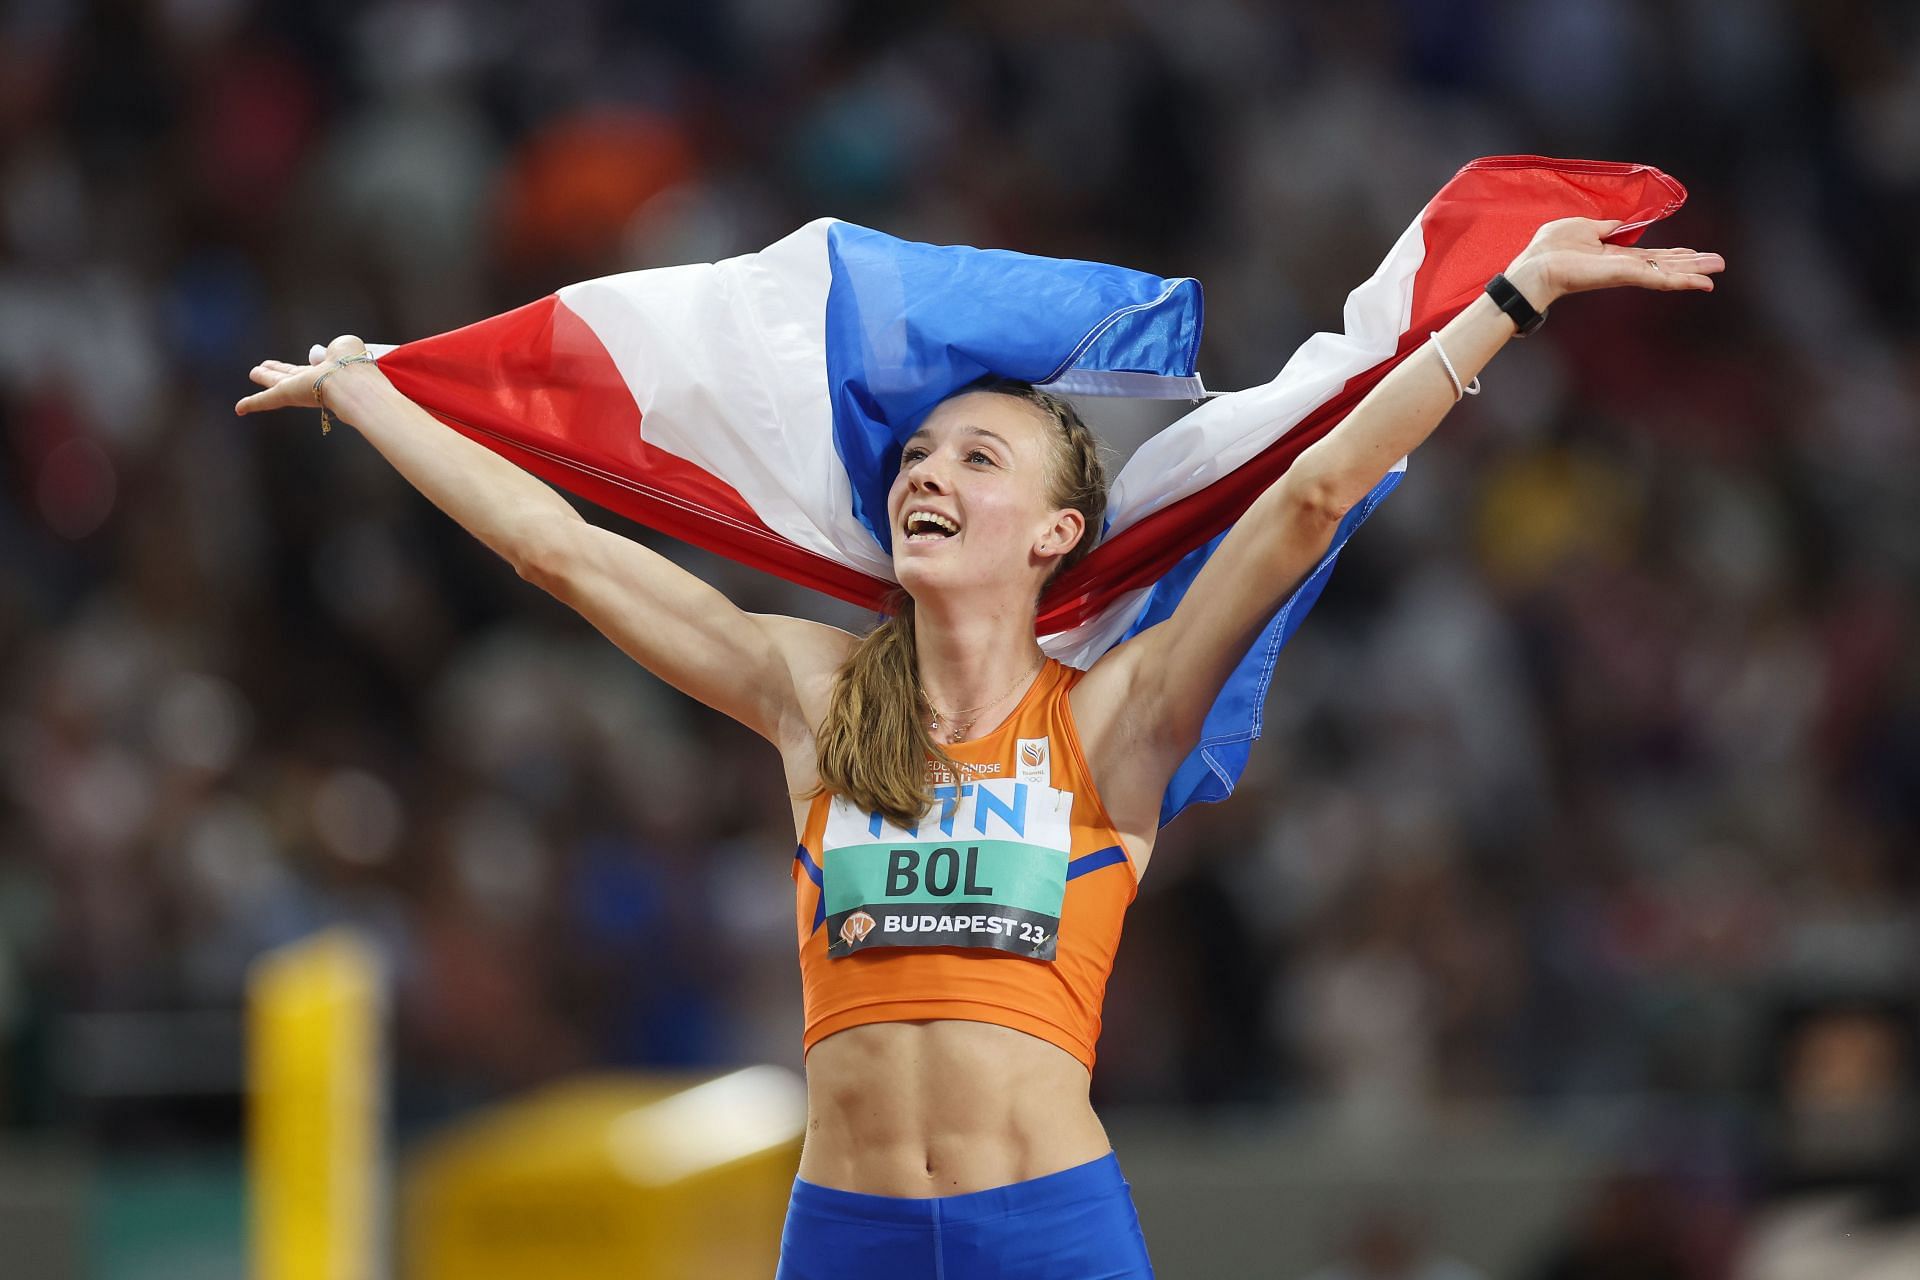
326, 423
1453, 376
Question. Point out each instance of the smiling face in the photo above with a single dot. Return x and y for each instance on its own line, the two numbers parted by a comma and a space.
973, 504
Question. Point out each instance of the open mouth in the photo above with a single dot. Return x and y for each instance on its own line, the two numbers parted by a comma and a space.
926, 526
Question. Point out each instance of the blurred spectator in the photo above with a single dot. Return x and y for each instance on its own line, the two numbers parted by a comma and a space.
1388, 1244
1843, 1178
1607, 731
1628, 1230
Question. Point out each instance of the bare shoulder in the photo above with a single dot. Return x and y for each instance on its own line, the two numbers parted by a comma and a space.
1125, 752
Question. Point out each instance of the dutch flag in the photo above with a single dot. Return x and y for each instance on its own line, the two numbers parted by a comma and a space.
756, 406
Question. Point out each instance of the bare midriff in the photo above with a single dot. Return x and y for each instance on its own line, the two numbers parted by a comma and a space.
917, 1109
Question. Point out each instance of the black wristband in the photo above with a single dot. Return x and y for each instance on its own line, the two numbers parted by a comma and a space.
1515, 304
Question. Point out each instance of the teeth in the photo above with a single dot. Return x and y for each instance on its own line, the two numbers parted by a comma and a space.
919, 520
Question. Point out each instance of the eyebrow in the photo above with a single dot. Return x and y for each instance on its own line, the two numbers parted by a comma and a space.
994, 436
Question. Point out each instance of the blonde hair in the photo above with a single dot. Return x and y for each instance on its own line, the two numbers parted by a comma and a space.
873, 747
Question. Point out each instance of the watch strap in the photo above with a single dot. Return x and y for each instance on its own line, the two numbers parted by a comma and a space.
1510, 300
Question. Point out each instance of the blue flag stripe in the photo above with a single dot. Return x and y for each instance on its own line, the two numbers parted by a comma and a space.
909, 324
1233, 724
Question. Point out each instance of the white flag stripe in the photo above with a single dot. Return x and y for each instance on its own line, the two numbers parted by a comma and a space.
727, 363
1221, 435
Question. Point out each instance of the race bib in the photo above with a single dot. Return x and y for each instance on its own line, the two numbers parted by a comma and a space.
985, 868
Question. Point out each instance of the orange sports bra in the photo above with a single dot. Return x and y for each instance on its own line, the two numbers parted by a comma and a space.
1003, 905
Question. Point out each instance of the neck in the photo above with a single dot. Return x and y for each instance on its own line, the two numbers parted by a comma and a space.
970, 657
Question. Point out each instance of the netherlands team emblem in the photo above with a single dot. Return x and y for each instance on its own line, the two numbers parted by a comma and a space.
1034, 760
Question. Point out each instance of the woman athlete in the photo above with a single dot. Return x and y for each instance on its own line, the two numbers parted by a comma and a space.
973, 818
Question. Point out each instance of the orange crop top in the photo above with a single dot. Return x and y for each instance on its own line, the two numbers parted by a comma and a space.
1004, 905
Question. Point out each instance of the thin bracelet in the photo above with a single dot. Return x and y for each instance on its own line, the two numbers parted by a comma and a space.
326, 423
1452, 376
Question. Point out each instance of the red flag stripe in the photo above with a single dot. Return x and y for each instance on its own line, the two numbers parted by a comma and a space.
538, 375
1471, 229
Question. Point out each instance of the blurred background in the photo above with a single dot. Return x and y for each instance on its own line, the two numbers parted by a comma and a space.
1567, 923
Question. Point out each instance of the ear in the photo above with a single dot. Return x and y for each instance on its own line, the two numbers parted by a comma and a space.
1061, 536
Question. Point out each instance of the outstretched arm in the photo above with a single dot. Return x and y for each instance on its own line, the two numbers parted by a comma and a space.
770, 673
1146, 700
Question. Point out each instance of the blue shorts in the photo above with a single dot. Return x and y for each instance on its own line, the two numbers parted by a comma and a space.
1078, 1224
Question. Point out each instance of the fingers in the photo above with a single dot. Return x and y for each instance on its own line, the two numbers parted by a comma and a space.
1573, 230
1675, 269
1684, 258
278, 377
1704, 264
270, 373
278, 395
260, 399
1668, 270
1671, 269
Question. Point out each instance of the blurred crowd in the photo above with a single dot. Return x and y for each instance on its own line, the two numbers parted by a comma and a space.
1595, 772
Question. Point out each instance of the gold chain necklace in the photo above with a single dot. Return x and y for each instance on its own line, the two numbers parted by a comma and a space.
961, 727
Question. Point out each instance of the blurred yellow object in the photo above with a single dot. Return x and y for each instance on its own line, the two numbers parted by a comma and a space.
1539, 511
315, 1081
635, 1177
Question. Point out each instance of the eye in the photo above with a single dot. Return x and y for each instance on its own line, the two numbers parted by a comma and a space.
911, 454
980, 455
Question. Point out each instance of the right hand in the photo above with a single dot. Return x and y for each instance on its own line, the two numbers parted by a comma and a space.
290, 386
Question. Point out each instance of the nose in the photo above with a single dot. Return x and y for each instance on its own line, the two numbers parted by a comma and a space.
924, 475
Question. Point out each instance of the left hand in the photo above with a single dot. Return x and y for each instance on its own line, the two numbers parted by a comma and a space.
1568, 256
